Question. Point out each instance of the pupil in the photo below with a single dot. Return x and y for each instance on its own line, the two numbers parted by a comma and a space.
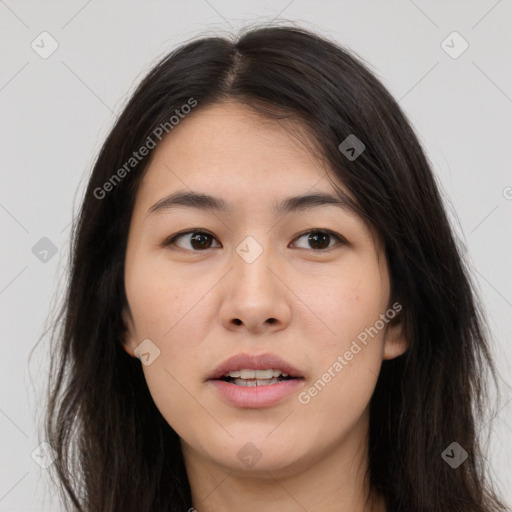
322, 236
201, 244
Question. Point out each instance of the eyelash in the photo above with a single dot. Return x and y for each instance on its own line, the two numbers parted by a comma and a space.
171, 240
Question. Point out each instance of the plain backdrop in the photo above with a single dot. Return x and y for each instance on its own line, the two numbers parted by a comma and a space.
56, 112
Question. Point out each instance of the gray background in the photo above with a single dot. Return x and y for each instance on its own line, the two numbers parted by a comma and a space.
57, 111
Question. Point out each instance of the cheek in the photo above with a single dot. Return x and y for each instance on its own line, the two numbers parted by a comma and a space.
347, 365
350, 302
159, 300
169, 310
349, 353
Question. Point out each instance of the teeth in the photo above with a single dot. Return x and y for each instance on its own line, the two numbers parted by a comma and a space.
256, 374
254, 383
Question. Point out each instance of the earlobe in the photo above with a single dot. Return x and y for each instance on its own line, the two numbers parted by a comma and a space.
395, 342
126, 349
127, 341
394, 349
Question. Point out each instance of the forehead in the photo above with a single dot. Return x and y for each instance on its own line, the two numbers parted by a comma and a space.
235, 151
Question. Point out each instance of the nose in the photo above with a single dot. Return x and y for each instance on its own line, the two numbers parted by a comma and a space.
256, 297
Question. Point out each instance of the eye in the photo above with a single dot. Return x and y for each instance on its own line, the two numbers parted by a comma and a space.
200, 240
321, 238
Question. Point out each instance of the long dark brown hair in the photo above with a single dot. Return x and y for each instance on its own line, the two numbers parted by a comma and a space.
115, 451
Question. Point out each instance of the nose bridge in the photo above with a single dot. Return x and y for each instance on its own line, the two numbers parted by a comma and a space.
251, 250
252, 260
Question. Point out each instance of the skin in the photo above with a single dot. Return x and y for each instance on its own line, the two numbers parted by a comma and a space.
185, 300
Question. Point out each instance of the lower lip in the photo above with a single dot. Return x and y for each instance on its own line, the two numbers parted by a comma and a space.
256, 396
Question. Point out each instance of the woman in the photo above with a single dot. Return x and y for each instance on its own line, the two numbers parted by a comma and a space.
267, 308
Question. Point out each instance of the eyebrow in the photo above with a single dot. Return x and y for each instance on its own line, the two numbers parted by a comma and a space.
205, 202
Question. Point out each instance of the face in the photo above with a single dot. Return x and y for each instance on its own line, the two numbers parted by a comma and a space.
308, 285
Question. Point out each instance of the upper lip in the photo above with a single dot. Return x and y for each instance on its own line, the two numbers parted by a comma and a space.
254, 362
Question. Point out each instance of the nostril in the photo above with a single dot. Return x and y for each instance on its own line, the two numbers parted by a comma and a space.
237, 321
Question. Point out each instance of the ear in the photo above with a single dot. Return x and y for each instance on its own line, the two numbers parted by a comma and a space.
129, 340
395, 342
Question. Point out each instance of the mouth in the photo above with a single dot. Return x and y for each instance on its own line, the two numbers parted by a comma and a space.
242, 368
253, 381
